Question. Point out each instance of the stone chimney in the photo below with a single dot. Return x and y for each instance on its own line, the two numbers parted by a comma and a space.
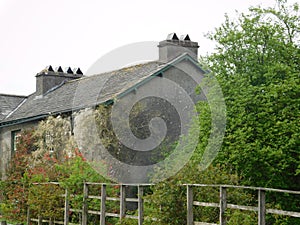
49, 78
173, 47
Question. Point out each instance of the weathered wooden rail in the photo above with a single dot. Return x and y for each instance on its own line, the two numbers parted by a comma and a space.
222, 204
103, 213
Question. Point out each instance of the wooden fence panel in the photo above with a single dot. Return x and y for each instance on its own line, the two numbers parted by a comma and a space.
222, 205
261, 208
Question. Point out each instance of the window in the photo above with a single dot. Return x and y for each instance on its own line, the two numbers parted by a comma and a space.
15, 137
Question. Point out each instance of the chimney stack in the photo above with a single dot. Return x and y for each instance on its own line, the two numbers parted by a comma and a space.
173, 47
49, 78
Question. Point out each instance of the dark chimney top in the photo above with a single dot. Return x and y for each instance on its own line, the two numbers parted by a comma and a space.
49, 68
49, 78
59, 69
69, 70
172, 36
173, 47
77, 71
185, 37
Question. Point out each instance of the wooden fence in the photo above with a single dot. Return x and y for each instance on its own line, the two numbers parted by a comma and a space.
102, 212
191, 189
223, 205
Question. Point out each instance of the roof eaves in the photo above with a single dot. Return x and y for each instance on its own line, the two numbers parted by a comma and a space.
15, 96
24, 120
43, 116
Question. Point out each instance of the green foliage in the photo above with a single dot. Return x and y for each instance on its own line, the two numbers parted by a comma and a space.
14, 191
255, 44
46, 200
257, 65
239, 217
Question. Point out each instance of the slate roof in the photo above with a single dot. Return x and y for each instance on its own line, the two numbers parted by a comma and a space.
83, 92
8, 103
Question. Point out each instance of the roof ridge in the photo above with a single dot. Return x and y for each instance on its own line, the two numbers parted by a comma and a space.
115, 70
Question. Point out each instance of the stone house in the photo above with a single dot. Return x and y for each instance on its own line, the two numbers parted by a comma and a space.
64, 92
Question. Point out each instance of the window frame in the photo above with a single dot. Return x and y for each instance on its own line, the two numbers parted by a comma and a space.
15, 134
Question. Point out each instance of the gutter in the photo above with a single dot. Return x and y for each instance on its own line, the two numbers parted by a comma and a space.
43, 116
25, 120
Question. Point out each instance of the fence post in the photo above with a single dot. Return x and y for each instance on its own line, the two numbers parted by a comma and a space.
67, 208
223, 205
189, 195
85, 206
140, 205
28, 216
122, 202
261, 207
40, 220
103, 199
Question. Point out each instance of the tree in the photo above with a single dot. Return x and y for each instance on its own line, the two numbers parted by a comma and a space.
257, 64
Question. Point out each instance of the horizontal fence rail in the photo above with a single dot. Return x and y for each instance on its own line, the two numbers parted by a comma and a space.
103, 212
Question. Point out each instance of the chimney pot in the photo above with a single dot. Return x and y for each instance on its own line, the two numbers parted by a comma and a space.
59, 69
77, 71
185, 37
69, 70
172, 37
49, 68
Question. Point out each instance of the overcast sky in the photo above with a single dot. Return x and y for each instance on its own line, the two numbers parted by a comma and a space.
37, 33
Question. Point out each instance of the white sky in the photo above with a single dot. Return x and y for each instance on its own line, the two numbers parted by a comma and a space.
37, 33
